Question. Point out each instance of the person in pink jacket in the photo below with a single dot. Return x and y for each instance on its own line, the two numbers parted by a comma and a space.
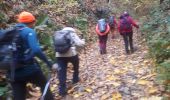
125, 27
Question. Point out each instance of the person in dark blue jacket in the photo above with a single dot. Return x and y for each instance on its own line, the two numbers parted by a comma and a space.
30, 71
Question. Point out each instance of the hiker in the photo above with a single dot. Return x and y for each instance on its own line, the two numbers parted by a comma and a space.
29, 70
102, 30
125, 27
113, 24
66, 42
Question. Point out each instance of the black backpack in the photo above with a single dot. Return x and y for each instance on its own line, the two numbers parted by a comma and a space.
9, 44
111, 22
62, 41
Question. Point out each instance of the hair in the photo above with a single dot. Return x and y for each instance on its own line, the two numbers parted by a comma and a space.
121, 16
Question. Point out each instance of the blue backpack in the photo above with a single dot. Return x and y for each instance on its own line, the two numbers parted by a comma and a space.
102, 25
111, 22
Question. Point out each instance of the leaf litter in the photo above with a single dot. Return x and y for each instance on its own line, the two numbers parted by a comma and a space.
113, 76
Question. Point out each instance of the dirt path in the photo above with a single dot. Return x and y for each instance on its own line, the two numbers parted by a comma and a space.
115, 76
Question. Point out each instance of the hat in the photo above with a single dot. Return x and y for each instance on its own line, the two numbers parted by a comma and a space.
25, 17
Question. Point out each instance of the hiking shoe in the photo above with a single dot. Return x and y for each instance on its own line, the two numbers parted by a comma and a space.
75, 81
128, 52
63, 94
132, 51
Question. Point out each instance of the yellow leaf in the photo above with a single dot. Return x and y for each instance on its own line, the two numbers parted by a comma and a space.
112, 61
52, 89
142, 82
88, 90
119, 71
112, 78
148, 76
104, 97
116, 84
116, 96
153, 90
77, 95
151, 98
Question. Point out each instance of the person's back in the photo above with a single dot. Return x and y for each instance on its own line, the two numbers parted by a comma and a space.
102, 36
75, 41
71, 55
126, 31
30, 70
126, 24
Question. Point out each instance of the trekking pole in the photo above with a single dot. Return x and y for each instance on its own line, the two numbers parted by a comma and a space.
48, 82
46, 87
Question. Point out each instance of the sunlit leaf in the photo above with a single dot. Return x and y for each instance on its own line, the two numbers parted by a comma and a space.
142, 82
88, 90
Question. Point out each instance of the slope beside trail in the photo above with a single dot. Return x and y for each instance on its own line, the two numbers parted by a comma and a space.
115, 75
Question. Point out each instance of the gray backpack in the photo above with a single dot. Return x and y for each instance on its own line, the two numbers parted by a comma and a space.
62, 41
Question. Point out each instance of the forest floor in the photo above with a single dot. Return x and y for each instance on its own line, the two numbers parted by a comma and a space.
115, 75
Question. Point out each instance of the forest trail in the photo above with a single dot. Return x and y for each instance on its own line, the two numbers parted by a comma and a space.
115, 75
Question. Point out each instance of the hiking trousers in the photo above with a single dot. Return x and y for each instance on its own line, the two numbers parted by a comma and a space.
128, 41
37, 78
102, 43
62, 73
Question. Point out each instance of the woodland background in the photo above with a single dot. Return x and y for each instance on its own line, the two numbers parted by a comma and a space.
152, 15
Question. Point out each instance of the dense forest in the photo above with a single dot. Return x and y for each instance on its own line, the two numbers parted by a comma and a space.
116, 79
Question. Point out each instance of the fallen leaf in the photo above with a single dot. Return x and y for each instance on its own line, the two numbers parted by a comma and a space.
151, 98
77, 95
153, 90
88, 90
116, 96
148, 76
112, 78
104, 97
142, 82
116, 84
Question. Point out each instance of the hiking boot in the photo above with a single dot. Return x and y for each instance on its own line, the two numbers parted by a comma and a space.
104, 52
132, 51
128, 52
62, 90
75, 81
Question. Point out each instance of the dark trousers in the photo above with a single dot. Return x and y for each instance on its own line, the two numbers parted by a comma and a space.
37, 78
102, 43
128, 40
62, 73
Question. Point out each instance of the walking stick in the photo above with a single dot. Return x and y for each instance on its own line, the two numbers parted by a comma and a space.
46, 88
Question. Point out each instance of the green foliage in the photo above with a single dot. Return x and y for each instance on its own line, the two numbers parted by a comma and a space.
3, 91
157, 29
45, 31
80, 23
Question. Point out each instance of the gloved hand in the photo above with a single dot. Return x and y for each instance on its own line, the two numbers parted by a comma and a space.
55, 67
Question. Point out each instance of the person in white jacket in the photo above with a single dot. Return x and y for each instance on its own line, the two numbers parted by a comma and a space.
70, 56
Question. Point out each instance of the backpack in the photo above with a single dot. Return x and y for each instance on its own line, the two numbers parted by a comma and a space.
125, 24
111, 22
9, 45
102, 25
62, 41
